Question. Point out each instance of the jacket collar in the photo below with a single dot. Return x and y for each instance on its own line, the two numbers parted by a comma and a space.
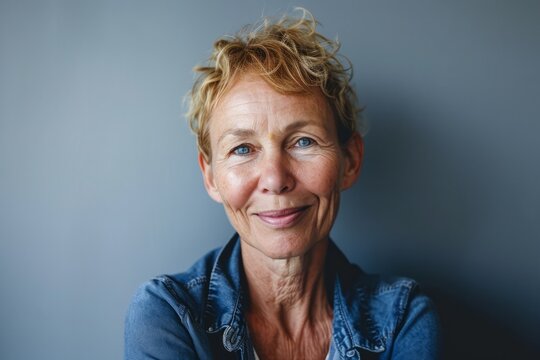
353, 328
225, 296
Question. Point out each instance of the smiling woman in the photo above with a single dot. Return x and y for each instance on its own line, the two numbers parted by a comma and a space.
274, 116
277, 166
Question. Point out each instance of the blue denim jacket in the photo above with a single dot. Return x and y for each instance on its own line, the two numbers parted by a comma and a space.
198, 314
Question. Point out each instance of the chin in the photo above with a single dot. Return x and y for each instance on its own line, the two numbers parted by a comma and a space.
285, 247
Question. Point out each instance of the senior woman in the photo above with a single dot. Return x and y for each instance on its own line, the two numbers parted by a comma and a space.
274, 116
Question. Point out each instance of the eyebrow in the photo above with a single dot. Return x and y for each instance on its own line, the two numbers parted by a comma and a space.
238, 132
296, 125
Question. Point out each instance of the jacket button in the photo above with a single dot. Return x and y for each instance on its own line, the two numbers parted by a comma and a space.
350, 353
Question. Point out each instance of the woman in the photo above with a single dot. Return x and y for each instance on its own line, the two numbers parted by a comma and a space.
274, 116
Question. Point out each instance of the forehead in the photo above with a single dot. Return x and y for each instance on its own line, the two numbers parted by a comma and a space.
251, 102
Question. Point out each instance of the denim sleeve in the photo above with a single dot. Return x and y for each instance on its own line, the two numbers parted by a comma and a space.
419, 334
154, 328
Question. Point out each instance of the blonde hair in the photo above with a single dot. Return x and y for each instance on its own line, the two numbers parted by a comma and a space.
291, 56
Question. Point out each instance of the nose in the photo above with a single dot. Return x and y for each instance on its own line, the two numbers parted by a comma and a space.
275, 175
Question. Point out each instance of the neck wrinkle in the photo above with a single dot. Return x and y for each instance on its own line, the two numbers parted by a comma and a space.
287, 293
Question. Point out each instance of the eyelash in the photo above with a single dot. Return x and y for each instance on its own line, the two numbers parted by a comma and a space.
311, 142
235, 150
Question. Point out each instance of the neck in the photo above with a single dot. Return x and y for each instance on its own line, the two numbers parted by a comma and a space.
287, 293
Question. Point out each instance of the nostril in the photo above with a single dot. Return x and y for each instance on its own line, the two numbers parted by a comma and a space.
275, 175
276, 184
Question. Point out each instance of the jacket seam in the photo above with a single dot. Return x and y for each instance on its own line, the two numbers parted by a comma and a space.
196, 281
345, 320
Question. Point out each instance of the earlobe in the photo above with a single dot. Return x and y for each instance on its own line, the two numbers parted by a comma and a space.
354, 155
208, 177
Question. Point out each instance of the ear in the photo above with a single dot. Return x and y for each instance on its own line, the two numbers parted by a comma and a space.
208, 178
353, 155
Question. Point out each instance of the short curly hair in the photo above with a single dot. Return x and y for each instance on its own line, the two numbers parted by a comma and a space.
291, 56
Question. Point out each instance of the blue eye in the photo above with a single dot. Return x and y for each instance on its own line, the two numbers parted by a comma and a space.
304, 142
241, 150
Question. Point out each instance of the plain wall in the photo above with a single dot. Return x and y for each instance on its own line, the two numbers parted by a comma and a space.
100, 188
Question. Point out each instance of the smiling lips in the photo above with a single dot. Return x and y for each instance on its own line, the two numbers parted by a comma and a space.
282, 218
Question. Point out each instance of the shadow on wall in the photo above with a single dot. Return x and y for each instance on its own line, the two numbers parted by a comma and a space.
419, 204
469, 334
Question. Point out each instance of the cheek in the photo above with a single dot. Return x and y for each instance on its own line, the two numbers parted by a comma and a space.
235, 187
322, 179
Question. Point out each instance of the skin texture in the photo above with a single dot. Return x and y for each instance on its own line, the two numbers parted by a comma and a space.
278, 169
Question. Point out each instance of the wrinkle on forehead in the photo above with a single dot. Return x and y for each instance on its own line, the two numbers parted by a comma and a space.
254, 104
245, 89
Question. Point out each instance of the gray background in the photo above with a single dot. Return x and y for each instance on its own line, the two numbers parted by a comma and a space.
100, 190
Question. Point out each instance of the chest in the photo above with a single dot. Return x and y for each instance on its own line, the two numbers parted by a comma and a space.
273, 343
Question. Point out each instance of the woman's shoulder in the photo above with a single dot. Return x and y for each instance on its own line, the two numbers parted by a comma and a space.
402, 315
188, 292
165, 316
180, 292
372, 289
383, 295
386, 311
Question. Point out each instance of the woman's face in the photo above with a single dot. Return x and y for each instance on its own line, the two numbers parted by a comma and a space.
277, 166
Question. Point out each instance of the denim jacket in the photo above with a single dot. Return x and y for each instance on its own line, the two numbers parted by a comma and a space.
198, 314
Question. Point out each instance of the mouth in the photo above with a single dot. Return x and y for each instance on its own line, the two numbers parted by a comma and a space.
282, 218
